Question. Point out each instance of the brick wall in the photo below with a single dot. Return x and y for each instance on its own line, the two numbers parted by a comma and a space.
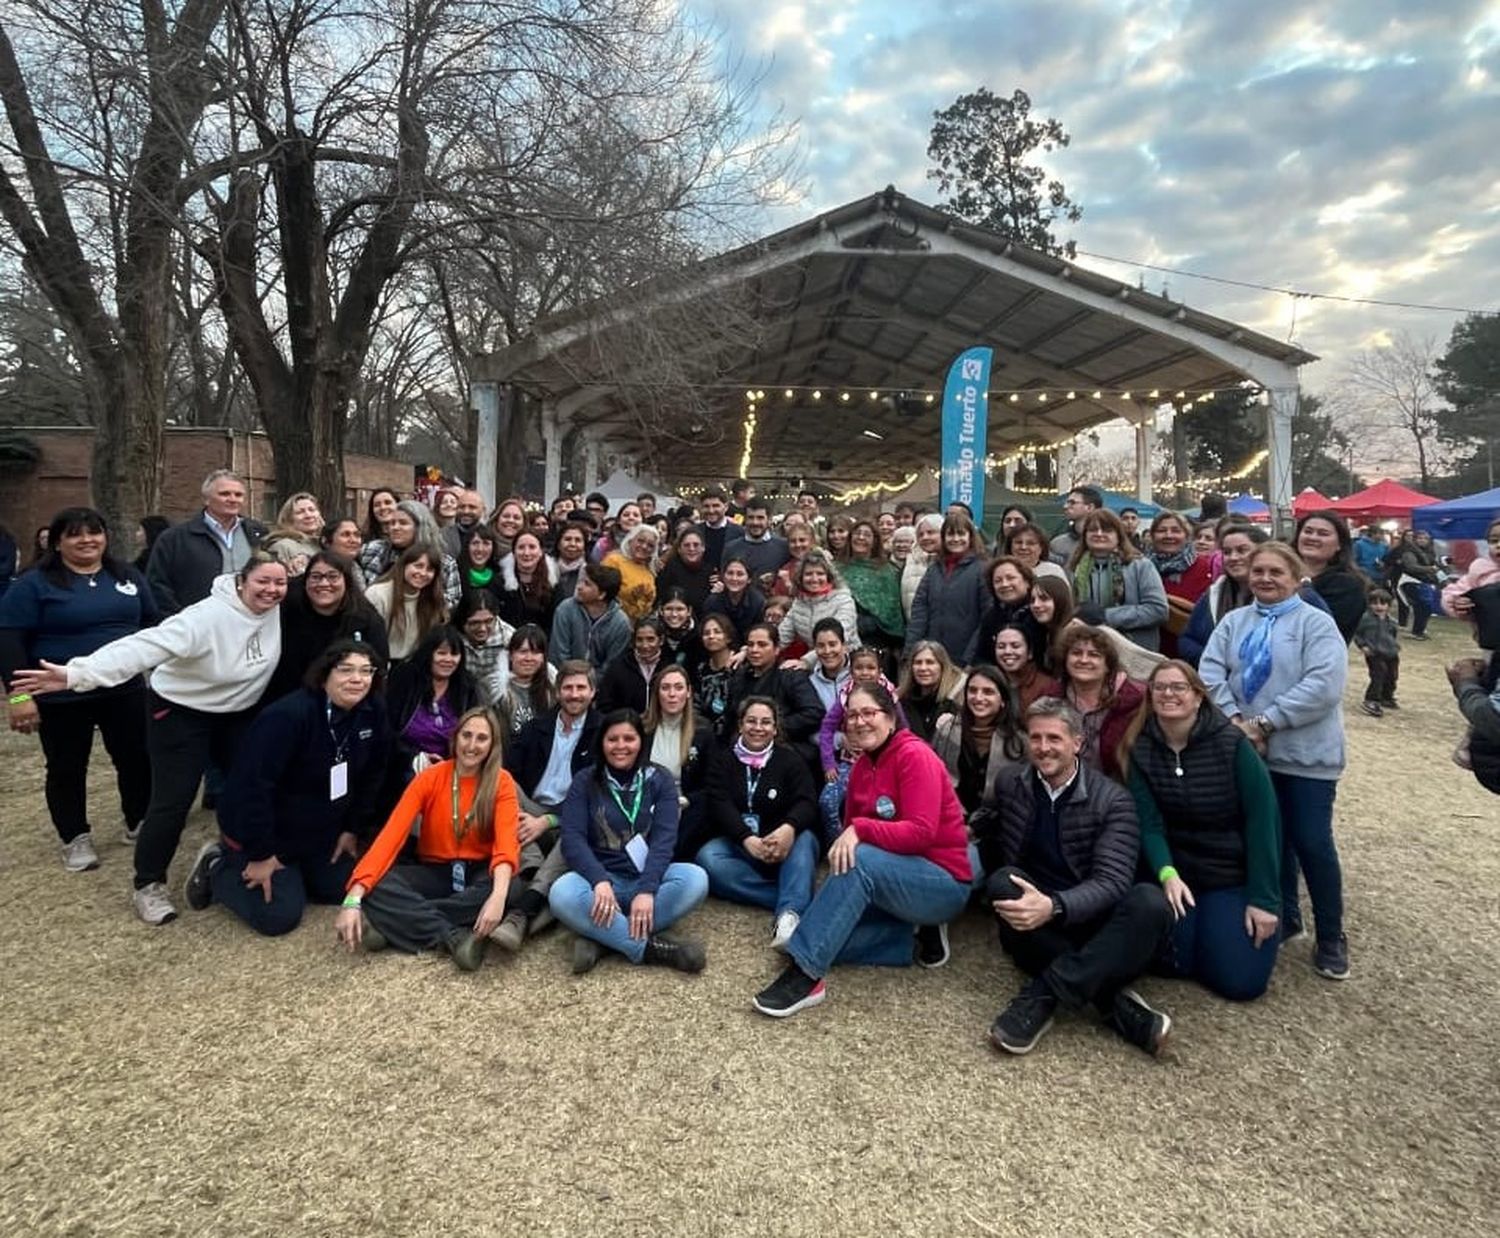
61, 478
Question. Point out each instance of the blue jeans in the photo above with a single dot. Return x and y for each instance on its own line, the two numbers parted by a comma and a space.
831, 803
736, 875
1307, 841
682, 888
867, 914
1210, 945
311, 879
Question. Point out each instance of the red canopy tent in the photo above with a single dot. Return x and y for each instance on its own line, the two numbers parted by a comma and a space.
1385, 500
1309, 500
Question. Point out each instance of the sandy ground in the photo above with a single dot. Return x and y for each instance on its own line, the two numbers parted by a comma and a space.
196, 1080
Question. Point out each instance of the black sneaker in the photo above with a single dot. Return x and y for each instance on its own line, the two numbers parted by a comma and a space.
1142, 1025
586, 952
678, 953
790, 992
467, 950
1389, 703
1025, 1021
1331, 958
199, 889
932, 945
1371, 707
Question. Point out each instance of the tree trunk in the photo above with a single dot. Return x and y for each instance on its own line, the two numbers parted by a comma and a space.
1180, 459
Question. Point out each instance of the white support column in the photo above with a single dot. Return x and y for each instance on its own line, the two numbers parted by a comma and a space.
1062, 456
1010, 473
552, 437
1145, 450
593, 452
485, 399
1279, 443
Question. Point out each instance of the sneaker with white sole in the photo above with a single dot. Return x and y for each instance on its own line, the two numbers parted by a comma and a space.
790, 992
932, 945
79, 855
786, 925
199, 890
153, 904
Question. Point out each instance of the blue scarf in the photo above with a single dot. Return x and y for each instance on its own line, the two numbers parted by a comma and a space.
1255, 648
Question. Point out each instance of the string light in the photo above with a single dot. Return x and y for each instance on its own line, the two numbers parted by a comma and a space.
755, 395
749, 443
874, 489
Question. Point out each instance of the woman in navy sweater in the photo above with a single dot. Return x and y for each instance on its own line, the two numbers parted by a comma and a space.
76, 600
618, 829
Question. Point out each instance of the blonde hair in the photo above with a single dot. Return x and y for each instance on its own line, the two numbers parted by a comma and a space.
481, 813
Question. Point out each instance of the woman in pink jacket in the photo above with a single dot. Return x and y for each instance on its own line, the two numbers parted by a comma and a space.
901, 863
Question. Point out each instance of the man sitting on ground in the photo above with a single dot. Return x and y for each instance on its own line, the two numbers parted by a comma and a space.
1061, 847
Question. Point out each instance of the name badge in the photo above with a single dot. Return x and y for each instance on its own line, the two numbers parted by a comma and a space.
338, 781
752, 822
127, 587
885, 808
637, 850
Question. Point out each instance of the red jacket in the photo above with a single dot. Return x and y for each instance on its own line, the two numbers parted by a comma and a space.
922, 814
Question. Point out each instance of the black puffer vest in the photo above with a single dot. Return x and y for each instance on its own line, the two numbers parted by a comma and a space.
1201, 808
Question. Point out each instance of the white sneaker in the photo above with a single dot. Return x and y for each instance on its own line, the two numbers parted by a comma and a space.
153, 904
786, 925
79, 855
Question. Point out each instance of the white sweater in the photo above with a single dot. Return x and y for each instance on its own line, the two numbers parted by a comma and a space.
215, 656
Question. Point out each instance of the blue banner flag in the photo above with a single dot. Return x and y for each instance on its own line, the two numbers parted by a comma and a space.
966, 429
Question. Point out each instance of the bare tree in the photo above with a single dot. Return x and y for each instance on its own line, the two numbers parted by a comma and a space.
90, 181
1391, 393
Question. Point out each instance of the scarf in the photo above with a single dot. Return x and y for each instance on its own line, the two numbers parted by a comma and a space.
1172, 566
755, 760
479, 577
1255, 648
1101, 581
817, 593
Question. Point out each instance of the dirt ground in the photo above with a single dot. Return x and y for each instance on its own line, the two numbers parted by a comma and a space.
193, 1079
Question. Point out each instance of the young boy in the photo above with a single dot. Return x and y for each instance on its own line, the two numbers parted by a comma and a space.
1376, 636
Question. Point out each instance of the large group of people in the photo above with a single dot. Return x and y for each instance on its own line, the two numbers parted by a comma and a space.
460, 728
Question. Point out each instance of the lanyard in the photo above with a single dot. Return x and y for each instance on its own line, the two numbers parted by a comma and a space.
461, 826
752, 784
340, 746
634, 811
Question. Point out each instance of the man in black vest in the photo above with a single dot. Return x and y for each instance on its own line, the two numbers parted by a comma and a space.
1061, 848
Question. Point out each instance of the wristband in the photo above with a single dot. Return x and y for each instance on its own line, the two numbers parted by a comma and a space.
20, 698
551, 820
352, 900
1165, 874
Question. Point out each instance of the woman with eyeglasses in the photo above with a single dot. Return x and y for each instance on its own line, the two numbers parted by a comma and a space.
322, 605
1210, 834
486, 637
303, 791
900, 864
764, 820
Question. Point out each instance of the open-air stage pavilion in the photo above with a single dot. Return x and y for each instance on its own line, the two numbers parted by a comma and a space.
854, 318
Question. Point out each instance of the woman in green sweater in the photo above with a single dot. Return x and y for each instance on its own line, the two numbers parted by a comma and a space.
876, 586
1210, 833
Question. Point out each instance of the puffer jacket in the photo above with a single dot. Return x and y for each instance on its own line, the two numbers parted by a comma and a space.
951, 604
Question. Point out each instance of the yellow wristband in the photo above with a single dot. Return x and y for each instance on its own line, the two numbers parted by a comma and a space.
1165, 874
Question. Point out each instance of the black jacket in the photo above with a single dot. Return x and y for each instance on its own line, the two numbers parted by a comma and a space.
622, 686
1344, 592
305, 634
528, 756
784, 792
694, 583
276, 800
185, 560
796, 700
410, 689
1099, 833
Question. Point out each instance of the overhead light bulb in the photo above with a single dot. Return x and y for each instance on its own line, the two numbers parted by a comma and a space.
930, 397
749, 395
788, 393
1014, 398
817, 395
844, 396
1072, 395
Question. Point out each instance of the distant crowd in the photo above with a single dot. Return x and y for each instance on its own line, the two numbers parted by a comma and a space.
459, 725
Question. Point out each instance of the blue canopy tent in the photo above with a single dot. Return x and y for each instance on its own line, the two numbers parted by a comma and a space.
1249, 506
1117, 502
1467, 517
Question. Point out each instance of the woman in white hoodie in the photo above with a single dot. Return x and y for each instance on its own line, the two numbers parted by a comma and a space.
210, 662
929, 546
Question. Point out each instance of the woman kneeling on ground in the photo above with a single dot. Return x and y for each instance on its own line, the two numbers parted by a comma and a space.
902, 861
454, 895
1210, 834
304, 788
619, 827
766, 816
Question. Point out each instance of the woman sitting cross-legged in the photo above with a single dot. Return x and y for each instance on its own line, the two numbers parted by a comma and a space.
467, 852
618, 829
902, 860
766, 815
1210, 833
304, 788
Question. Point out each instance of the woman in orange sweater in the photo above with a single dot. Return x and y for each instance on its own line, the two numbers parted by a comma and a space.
467, 855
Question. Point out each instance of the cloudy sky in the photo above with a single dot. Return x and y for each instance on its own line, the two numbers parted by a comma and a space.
1345, 146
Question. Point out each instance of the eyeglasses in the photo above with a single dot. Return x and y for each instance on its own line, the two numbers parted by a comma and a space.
863, 715
324, 578
356, 672
1171, 689
479, 625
